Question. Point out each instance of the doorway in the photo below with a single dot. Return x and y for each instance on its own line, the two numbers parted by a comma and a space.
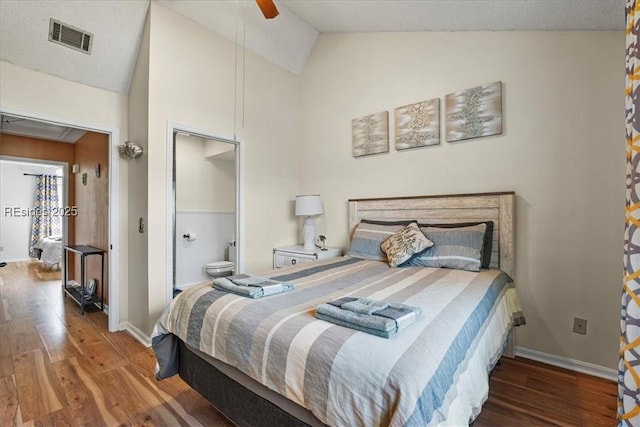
204, 206
26, 135
18, 186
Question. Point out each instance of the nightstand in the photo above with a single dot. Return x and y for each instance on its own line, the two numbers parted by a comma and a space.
286, 256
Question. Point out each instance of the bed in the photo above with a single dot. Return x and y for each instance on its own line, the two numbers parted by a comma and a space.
270, 361
49, 250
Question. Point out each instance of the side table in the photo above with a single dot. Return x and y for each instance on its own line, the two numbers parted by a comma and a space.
79, 295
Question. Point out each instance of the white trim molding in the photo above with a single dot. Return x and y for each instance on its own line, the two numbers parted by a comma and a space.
567, 363
143, 338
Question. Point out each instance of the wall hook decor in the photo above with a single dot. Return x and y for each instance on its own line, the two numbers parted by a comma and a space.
129, 150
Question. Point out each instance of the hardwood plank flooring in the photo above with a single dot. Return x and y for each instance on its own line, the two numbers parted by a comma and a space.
58, 368
523, 392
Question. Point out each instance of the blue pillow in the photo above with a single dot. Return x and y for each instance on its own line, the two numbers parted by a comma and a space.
367, 238
487, 243
459, 248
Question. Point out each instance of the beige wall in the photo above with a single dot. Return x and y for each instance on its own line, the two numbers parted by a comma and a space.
204, 183
191, 82
562, 151
37, 93
138, 296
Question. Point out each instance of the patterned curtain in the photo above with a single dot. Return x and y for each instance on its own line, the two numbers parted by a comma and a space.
46, 218
629, 368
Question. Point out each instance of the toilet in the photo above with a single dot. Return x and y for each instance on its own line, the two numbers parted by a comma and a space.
220, 268
223, 268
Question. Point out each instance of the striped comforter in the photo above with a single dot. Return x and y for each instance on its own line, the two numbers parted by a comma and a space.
434, 372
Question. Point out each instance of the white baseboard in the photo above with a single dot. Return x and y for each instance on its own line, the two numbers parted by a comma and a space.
567, 363
144, 339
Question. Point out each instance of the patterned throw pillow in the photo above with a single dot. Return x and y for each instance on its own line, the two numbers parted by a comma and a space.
404, 244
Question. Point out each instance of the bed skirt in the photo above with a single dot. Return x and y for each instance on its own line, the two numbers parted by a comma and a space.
236, 402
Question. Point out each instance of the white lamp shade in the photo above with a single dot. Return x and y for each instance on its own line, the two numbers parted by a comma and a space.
309, 205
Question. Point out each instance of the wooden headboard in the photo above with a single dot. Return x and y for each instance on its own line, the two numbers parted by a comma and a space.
496, 207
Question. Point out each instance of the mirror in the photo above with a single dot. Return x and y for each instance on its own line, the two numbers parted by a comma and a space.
205, 208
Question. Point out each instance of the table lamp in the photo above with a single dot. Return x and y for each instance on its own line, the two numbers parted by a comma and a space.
309, 206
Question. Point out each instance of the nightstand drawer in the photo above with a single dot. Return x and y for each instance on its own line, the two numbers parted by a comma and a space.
284, 260
287, 256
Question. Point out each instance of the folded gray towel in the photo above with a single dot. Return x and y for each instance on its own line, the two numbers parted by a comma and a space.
250, 286
384, 322
383, 334
246, 280
394, 311
224, 284
364, 306
369, 321
340, 301
403, 316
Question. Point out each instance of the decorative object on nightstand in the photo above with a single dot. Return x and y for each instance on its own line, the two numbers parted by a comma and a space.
309, 206
323, 242
286, 256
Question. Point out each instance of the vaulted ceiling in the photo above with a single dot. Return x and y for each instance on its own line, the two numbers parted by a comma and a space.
287, 40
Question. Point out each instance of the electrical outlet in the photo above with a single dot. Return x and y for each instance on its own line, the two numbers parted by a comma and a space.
1, 248
580, 326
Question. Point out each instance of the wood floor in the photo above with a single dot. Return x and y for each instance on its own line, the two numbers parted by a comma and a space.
523, 392
58, 368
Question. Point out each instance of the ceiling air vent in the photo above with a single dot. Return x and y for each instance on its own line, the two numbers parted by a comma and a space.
69, 36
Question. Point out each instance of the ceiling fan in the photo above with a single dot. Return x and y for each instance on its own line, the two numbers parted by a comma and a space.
268, 8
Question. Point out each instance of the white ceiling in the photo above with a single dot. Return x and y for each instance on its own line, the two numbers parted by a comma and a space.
116, 26
286, 40
458, 15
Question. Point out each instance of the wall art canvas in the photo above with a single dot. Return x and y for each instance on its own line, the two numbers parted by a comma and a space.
418, 125
474, 113
370, 134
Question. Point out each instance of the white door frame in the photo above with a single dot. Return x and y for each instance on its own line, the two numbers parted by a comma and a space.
114, 198
172, 128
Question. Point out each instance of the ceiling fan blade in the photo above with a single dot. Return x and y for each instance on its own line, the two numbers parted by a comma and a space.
268, 8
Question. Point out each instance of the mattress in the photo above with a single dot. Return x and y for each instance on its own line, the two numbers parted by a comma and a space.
433, 373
